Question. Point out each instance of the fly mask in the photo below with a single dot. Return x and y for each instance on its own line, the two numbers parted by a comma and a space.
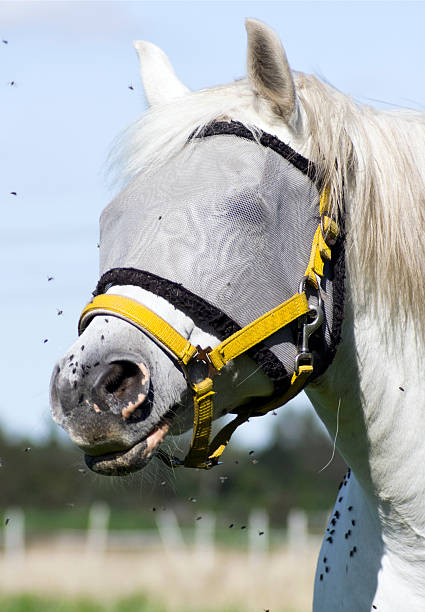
236, 232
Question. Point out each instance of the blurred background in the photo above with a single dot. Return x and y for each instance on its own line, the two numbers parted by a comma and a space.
251, 528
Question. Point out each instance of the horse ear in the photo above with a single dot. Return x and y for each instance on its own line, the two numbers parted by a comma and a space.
268, 69
159, 80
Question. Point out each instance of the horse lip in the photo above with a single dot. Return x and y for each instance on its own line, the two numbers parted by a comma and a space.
119, 463
132, 459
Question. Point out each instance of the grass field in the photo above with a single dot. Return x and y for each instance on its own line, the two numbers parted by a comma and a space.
137, 603
34, 603
47, 579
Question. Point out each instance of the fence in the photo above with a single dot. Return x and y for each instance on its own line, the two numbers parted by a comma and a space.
256, 537
186, 569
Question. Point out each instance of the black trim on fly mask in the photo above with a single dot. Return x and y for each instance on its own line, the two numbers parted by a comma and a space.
205, 316
338, 291
235, 128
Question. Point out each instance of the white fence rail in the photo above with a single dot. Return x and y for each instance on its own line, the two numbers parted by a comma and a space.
201, 540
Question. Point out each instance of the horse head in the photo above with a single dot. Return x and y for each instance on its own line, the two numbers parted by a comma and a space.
209, 238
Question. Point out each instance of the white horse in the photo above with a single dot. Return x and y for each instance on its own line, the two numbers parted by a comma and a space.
115, 390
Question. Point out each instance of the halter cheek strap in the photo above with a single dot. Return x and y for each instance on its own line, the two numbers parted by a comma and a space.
202, 453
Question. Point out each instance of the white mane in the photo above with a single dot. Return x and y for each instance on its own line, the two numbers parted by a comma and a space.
375, 158
380, 157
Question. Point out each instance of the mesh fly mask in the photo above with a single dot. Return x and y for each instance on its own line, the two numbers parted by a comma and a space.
236, 232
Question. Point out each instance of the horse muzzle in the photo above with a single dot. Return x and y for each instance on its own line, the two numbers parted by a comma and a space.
106, 407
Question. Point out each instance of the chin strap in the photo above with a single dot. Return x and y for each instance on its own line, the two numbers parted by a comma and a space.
202, 453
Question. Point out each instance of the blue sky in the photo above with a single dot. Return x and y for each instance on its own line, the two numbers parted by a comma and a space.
71, 65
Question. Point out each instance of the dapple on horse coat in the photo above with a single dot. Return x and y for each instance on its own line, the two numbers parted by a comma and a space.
231, 197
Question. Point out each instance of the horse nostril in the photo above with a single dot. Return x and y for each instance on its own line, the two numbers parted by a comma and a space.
123, 385
119, 376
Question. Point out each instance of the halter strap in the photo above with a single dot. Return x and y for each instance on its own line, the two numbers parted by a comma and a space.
143, 318
200, 454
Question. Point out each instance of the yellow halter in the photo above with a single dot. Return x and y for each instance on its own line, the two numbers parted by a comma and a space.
202, 453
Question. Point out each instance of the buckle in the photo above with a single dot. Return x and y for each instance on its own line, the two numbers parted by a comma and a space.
304, 356
202, 355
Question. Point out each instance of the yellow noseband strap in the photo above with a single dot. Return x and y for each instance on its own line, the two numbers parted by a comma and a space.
143, 318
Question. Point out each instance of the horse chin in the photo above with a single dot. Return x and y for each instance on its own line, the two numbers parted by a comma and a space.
130, 460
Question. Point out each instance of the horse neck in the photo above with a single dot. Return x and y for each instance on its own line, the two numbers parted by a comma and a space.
371, 400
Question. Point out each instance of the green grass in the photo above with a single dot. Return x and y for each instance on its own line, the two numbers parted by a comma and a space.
33, 603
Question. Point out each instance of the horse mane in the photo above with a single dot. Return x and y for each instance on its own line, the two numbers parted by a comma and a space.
373, 160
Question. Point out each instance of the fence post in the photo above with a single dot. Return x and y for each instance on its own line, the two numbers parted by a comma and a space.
204, 540
169, 531
97, 530
258, 533
14, 533
297, 529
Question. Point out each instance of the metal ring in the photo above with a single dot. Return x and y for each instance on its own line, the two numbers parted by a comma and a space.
301, 287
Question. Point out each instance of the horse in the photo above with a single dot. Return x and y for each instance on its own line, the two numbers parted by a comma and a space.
277, 199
